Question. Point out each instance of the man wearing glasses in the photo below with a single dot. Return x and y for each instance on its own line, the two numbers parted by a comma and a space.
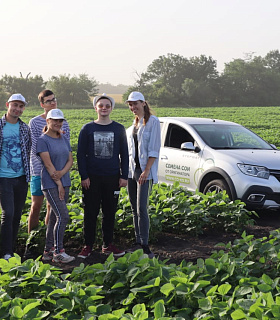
47, 101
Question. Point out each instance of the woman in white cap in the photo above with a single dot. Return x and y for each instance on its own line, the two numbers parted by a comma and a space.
143, 146
56, 155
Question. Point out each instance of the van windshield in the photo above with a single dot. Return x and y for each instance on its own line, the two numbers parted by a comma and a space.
221, 136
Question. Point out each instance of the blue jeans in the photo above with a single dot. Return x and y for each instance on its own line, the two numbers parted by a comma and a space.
139, 199
13, 193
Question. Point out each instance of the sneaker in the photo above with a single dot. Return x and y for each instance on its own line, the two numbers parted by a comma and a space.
112, 249
62, 257
48, 255
134, 247
7, 256
86, 251
147, 251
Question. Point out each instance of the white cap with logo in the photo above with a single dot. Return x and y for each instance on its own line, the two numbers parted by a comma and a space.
17, 97
55, 114
135, 96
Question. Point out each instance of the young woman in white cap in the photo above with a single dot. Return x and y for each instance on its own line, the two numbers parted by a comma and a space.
143, 146
56, 154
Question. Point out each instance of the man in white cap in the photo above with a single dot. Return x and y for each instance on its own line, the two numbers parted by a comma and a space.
15, 146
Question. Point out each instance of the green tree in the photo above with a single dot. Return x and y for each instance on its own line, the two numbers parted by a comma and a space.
163, 84
75, 90
3, 98
272, 61
28, 86
250, 83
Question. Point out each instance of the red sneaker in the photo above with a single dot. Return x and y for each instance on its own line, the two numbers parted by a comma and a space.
112, 249
86, 251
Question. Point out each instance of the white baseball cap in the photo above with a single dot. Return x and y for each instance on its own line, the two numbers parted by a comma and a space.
17, 97
55, 114
103, 96
135, 96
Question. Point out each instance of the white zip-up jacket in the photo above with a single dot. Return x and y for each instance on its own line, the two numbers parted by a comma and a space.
148, 146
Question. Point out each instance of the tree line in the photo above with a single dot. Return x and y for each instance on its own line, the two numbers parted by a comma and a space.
170, 81
71, 90
176, 81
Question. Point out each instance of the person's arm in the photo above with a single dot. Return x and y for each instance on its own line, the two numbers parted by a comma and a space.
153, 149
124, 159
82, 153
66, 130
81, 158
45, 156
35, 134
58, 174
144, 175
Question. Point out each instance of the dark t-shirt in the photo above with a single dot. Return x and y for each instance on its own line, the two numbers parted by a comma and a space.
102, 150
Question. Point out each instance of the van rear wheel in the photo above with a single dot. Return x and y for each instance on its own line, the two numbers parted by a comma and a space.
217, 185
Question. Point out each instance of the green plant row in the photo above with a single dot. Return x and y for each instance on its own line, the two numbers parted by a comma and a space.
172, 209
239, 282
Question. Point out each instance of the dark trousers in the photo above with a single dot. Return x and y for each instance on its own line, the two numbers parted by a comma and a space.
101, 194
13, 193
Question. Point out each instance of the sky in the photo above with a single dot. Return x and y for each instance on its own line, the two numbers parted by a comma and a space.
114, 41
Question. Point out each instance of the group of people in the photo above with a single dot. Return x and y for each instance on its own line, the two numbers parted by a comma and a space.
109, 158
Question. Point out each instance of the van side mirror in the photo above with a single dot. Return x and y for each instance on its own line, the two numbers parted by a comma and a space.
189, 146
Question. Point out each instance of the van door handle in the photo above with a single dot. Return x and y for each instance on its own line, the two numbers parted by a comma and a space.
163, 158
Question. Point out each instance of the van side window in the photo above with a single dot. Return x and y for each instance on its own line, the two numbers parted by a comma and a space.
176, 135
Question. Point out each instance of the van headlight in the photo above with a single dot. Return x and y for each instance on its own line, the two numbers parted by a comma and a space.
255, 171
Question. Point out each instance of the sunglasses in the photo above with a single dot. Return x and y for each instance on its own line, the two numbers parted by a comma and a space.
100, 106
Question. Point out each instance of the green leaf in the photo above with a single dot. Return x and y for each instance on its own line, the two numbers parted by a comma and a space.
64, 303
16, 312
205, 304
167, 288
275, 309
264, 287
224, 289
138, 308
238, 314
159, 309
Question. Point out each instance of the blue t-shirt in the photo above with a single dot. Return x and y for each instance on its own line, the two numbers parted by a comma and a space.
58, 149
11, 165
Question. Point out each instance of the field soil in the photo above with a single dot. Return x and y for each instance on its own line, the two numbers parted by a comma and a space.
180, 247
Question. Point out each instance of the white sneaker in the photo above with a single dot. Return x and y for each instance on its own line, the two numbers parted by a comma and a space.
7, 256
48, 255
62, 257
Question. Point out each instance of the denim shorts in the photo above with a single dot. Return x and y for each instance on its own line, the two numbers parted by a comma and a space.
35, 186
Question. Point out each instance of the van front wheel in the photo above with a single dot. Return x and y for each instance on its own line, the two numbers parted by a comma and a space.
217, 185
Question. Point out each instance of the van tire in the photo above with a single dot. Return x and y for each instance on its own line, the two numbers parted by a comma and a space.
217, 185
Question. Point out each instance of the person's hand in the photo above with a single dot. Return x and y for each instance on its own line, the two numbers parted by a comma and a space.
85, 183
61, 192
56, 175
144, 176
122, 183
